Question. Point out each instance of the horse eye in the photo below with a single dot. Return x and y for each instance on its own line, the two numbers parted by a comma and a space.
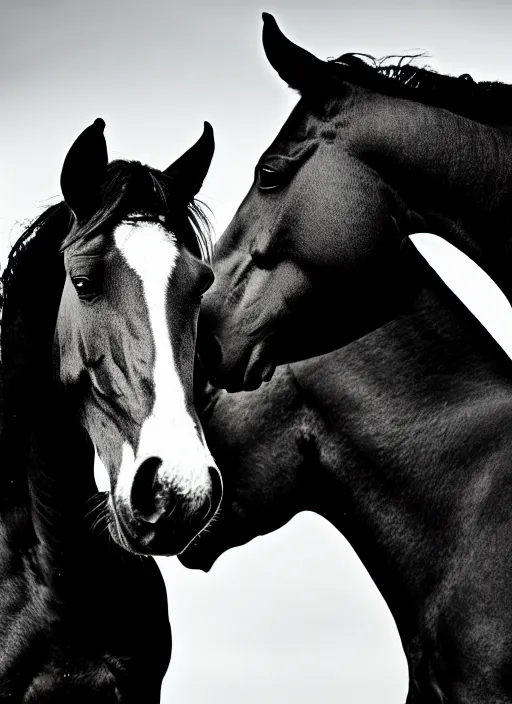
269, 178
84, 287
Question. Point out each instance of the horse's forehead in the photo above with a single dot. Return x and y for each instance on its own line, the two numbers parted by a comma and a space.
87, 246
148, 248
301, 126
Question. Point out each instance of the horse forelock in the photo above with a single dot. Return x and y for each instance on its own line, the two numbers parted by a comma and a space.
130, 187
488, 102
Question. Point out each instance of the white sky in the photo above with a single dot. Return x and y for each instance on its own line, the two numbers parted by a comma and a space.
293, 616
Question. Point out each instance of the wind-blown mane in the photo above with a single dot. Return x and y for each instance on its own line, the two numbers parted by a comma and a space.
488, 102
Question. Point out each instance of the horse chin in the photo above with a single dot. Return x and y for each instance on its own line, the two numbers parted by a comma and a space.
202, 553
228, 530
151, 542
194, 558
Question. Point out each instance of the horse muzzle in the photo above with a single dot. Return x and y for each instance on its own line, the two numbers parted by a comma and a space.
159, 519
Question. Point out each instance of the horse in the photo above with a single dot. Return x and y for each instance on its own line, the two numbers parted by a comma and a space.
401, 440
83, 618
136, 265
313, 257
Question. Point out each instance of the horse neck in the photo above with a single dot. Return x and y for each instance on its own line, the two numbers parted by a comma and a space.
414, 421
451, 171
45, 515
60, 482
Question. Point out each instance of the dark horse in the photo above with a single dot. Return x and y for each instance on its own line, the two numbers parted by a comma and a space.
400, 439
82, 619
311, 259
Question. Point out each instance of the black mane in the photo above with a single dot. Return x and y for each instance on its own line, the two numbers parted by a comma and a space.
487, 102
131, 186
42, 235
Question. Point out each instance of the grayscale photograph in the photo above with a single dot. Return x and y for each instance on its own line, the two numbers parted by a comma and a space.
255, 352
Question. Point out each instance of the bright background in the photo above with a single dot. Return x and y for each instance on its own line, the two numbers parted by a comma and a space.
293, 616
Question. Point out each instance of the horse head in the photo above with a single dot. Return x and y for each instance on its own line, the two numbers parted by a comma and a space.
135, 270
312, 259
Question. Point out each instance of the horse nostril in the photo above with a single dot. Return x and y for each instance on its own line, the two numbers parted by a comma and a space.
208, 348
145, 488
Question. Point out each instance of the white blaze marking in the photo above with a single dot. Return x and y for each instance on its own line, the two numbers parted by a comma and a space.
169, 432
101, 476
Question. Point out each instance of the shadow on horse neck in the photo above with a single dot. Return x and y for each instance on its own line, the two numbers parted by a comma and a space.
369, 155
82, 620
402, 441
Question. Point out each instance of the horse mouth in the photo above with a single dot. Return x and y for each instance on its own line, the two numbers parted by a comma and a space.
127, 539
146, 543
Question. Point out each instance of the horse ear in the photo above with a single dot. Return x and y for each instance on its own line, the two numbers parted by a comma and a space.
300, 69
84, 169
191, 168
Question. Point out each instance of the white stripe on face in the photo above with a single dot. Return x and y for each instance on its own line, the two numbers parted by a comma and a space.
169, 432
101, 476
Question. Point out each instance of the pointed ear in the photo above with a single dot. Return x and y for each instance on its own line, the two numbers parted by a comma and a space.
84, 170
189, 171
300, 69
